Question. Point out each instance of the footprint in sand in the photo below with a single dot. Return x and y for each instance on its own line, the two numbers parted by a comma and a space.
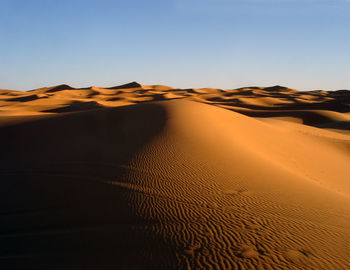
248, 252
296, 255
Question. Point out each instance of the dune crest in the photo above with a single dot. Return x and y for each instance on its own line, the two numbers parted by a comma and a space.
155, 177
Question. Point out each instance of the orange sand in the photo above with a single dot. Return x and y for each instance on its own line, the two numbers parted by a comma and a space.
154, 177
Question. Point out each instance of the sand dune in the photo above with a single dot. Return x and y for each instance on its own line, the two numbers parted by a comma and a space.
155, 177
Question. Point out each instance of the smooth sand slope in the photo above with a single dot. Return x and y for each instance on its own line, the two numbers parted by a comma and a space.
153, 177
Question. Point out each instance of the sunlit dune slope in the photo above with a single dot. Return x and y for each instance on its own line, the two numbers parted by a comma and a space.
138, 177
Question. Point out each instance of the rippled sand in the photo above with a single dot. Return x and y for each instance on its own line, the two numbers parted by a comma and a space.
154, 177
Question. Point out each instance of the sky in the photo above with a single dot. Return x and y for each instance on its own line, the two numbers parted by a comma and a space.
301, 44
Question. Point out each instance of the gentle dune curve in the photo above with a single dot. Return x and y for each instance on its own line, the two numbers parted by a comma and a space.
164, 178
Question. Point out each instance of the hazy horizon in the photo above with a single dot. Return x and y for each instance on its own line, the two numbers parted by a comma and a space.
211, 43
173, 86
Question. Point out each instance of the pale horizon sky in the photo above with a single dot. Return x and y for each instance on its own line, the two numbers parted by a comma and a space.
301, 44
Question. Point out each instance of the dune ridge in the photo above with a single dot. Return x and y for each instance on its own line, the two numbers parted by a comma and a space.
328, 109
155, 177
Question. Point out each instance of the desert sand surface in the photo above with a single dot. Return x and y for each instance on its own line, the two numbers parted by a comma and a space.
155, 177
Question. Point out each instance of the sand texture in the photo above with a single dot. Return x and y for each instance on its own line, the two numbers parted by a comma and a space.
154, 177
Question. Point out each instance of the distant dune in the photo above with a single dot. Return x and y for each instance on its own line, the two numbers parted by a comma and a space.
155, 177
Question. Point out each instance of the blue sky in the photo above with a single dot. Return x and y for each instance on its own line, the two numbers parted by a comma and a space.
303, 44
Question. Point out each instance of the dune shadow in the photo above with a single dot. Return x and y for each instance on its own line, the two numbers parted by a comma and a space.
24, 98
310, 118
75, 106
57, 210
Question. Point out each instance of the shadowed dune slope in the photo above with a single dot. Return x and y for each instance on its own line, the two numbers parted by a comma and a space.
193, 182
